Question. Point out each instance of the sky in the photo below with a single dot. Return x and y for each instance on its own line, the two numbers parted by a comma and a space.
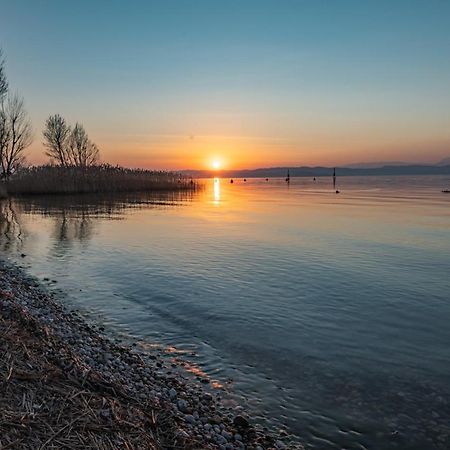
178, 84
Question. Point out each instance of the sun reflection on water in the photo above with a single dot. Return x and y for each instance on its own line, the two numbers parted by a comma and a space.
216, 191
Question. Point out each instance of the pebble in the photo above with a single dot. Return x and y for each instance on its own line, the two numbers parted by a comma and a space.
182, 405
226, 435
172, 394
220, 439
241, 422
207, 397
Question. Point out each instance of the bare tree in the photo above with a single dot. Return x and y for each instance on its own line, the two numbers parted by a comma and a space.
83, 152
15, 134
4, 131
57, 135
3, 81
4, 135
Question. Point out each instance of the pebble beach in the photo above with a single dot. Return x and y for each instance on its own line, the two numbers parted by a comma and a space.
66, 384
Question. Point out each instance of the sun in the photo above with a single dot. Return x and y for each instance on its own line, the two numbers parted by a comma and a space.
216, 164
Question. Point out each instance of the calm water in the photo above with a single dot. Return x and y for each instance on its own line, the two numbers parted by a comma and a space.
326, 313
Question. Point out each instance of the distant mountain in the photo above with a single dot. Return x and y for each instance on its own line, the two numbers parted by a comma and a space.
374, 165
444, 162
320, 171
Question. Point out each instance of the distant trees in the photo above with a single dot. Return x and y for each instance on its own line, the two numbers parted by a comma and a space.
15, 127
83, 151
69, 146
56, 134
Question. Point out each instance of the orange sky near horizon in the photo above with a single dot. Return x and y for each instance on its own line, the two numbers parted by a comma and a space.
202, 152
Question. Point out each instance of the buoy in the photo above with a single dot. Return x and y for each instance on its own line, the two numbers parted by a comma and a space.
337, 192
231, 181
245, 179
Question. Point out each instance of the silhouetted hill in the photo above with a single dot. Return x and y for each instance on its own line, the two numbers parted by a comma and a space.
444, 162
319, 171
374, 165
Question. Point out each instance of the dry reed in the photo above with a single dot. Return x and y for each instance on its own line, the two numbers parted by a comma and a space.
45, 405
95, 179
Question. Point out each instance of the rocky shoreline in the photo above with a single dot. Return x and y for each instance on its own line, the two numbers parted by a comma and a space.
119, 397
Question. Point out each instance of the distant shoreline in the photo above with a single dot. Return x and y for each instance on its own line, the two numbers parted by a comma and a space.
280, 172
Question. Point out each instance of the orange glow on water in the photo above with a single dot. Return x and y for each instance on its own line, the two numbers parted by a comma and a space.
217, 191
195, 370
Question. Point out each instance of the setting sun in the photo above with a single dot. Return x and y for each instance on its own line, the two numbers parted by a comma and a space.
216, 164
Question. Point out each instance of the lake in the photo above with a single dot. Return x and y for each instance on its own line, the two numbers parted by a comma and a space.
324, 313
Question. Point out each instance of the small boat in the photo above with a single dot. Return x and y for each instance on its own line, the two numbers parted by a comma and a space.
267, 179
338, 191
245, 179
446, 191
231, 181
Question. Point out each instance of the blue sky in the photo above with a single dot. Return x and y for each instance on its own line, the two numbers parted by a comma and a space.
255, 82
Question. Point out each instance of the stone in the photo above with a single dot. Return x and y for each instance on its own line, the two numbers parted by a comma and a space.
172, 394
221, 440
241, 422
226, 435
182, 405
207, 397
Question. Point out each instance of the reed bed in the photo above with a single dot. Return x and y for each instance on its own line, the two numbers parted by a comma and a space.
96, 179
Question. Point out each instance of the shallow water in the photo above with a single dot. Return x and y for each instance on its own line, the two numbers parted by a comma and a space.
328, 313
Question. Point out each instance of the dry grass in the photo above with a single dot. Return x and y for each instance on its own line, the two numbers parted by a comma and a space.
43, 406
96, 179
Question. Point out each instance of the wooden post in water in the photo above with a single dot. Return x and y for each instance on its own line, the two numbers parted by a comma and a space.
288, 178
